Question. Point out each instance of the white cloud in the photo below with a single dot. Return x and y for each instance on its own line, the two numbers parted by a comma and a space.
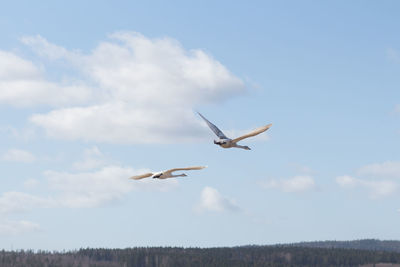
17, 227
212, 200
11, 202
23, 84
96, 183
23, 134
31, 183
15, 202
145, 71
13, 68
295, 184
376, 188
145, 91
85, 189
393, 54
378, 179
18, 155
121, 123
381, 188
110, 183
389, 169
42, 47
302, 169
90, 189
92, 159
346, 181
155, 184
82, 189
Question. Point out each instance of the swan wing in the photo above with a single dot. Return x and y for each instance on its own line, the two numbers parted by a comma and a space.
214, 128
138, 177
184, 169
253, 133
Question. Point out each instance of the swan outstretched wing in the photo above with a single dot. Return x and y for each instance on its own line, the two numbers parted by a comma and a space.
214, 128
184, 169
253, 133
138, 177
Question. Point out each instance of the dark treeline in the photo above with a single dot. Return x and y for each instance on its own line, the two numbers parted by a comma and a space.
366, 244
170, 256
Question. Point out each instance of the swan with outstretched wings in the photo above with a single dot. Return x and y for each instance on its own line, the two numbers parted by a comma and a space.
167, 174
226, 142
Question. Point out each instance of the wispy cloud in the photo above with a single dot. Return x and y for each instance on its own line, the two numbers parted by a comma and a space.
92, 159
393, 54
8, 227
376, 188
379, 179
95, 186
75, 190
397, 109
346, 181
212, 200
18, 155
292, 185
25, 133
389, 169
303, 169
20, 202
31, 183
46, 49
102, 186
12, 202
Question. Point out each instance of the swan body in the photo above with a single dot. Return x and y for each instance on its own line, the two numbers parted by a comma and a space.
166, 174
226, 142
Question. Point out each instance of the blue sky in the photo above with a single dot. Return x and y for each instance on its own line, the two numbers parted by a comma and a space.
93, 93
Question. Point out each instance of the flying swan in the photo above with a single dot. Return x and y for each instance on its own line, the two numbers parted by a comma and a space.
166, 174
226, 142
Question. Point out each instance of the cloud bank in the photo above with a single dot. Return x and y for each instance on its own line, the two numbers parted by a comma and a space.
128, 89
95, 182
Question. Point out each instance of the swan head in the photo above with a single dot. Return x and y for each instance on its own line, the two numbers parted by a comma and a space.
157, 175
219, 142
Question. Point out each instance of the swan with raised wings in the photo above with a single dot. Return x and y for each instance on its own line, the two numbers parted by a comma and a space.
167, 174
226, 142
